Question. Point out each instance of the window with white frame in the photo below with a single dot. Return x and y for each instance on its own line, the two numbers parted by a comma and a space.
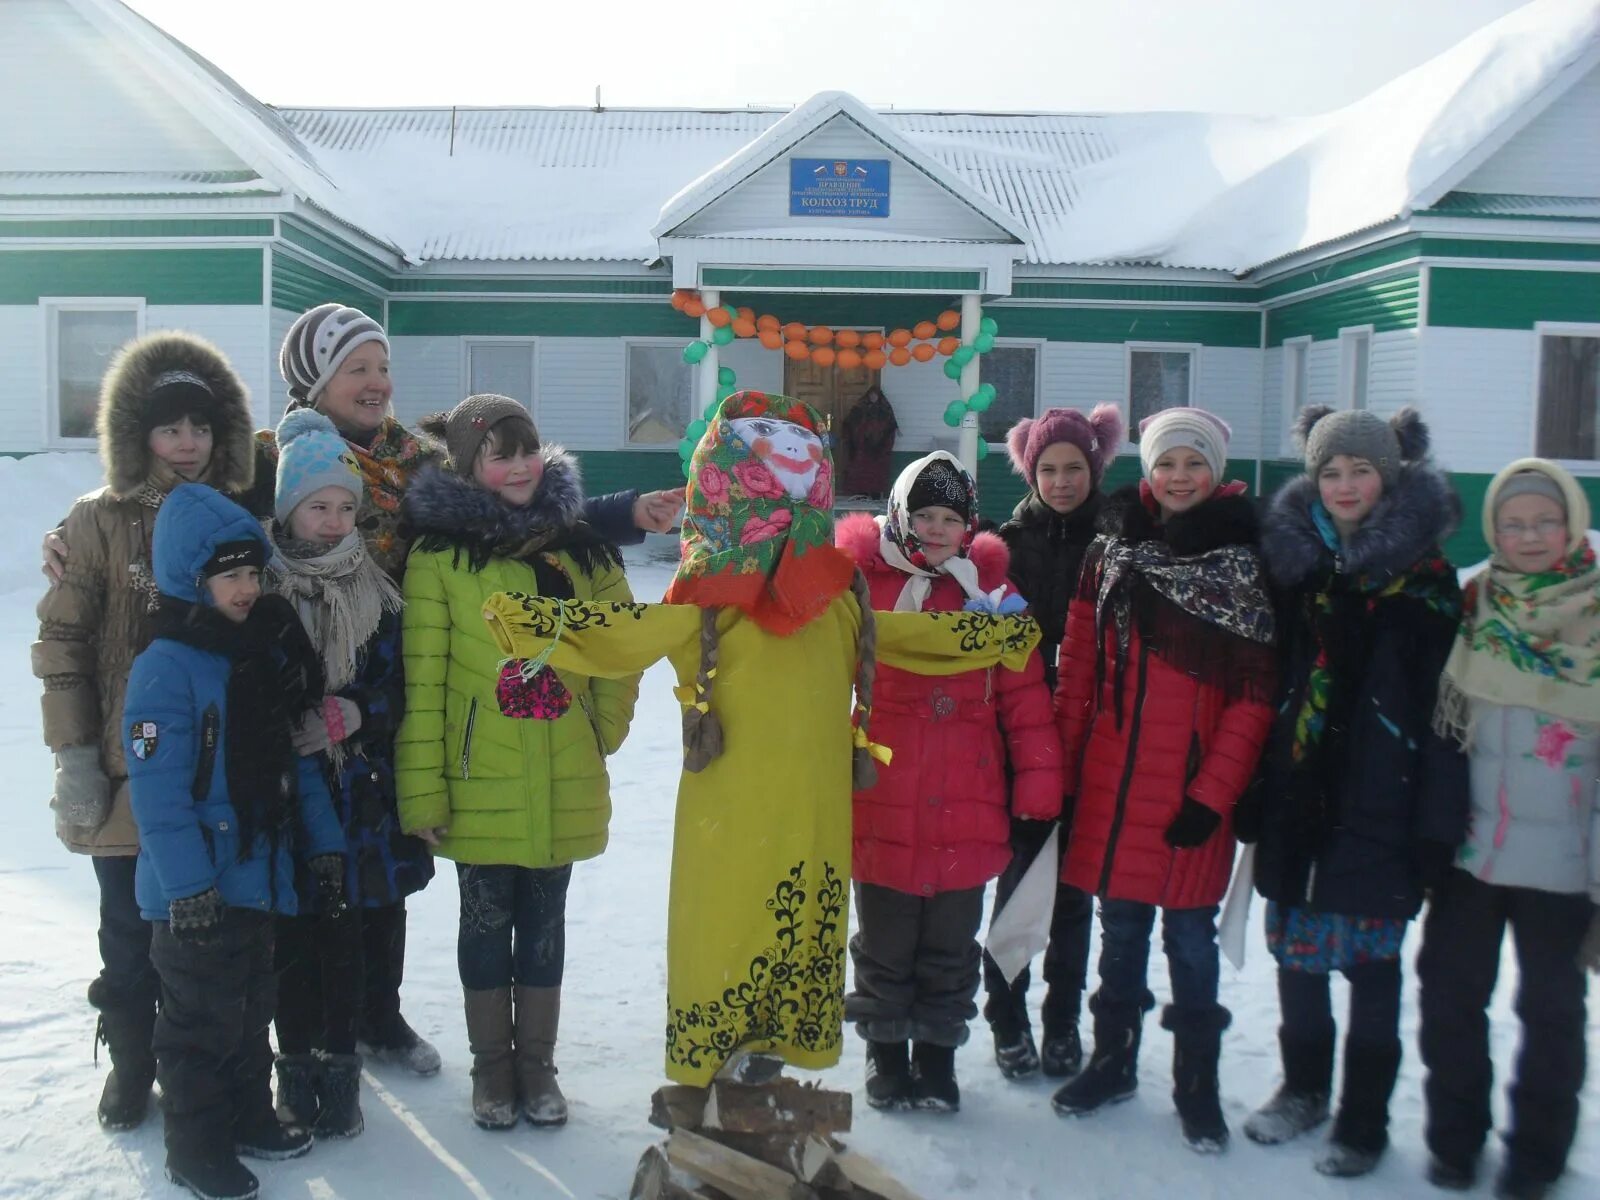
82, 335
503, 366
1355, 365
1159, 377
1296, 380
1013, 368
1569, 393
660, 393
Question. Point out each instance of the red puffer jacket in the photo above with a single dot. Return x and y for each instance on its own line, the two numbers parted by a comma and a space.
1177, 737
937, 820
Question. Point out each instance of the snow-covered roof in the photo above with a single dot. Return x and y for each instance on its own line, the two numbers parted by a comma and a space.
91, 184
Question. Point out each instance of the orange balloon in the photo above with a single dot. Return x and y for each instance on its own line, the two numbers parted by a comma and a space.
821, 335
846, 338
719, 316
694, 308
796, 350
749, 314
947, 345
744, 327
900, 337
848, 360
871, 341
948, 319
822, 356
767, 321
772, 339
794, 331
681, 297
923, 330
873, 360
899, 356
922, 351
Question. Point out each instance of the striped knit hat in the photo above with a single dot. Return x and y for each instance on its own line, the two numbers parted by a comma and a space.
317, 343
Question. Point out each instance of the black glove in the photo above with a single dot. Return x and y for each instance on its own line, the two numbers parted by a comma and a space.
328, 870
195, 918
1434, 860
1192, 826
1249, 815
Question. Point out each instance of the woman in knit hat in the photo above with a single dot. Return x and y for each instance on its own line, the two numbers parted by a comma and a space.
1521, 694
1063, 456
1166, 674
1356, 802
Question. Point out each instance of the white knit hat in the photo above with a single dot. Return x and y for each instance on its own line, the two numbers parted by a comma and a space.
317, 343
1189, 428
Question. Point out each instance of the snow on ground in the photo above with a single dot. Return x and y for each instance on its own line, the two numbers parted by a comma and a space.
420, 1141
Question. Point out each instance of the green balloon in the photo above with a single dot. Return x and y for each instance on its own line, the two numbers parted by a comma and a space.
989, 325
726, 377
954, 411
983, 448
723, 393
963, 355
983, 343
711, 410
988, 390
722, 335
686, 448
979, 401
696, 431
953, 369
733, 313
694, 352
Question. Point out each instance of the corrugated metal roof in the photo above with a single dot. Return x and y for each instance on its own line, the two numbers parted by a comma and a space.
1506, 204
84, 184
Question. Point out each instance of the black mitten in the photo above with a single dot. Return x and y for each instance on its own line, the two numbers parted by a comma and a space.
1249, 815
1192, 826
195, 918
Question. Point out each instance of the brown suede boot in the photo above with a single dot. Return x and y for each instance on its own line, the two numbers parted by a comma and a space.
494, 1081
538, 1014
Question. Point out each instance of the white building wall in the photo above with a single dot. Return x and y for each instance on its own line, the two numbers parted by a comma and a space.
240, 332
1083, 374
579, 392
1557, 154
1477, 393
1322, 373
427, 374
22, 377
1274, 420
1392, 371
1229, 384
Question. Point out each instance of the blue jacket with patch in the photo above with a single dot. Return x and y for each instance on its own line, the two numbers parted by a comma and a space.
175, 720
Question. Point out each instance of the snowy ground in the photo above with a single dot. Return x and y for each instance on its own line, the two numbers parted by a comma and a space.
419, 1141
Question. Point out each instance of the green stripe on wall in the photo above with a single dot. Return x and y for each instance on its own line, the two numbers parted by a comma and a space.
340, 256
1132, 325
177, 276
1433, 246
529, 318
575, 287
1488, 299
1390, 303
134, 229
883, 281
297, 286
1150, 293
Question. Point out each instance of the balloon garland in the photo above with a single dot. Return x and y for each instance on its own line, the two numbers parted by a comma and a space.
846, 349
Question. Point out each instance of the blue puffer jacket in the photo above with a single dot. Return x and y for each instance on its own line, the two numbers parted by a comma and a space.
174, 725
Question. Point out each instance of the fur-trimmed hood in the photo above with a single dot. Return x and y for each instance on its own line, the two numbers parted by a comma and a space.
1410, 519
860, 536
1225, 518
124, 446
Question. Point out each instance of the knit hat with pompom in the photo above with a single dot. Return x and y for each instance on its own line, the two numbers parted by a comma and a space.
1324, 433
1097, 436
311, 456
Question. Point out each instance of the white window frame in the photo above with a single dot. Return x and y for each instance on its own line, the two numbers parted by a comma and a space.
1037, 345
1349, 337
50, 308
1542, 329
1295, 347
467, 343
1192, 349
623, 441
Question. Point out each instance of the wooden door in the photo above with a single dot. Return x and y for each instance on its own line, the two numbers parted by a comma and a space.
831, 391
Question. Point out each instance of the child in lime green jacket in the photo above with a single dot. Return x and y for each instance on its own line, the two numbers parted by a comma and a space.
502, 769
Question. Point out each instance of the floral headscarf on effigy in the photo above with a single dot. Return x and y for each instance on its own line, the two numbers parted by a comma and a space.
758, 532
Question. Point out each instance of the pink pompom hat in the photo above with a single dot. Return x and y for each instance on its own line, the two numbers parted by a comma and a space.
1098, 436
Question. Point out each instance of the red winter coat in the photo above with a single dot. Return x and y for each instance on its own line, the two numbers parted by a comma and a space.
937, 819
1178, 737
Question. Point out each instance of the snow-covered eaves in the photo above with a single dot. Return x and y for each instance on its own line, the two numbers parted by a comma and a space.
18, 185
1503, 204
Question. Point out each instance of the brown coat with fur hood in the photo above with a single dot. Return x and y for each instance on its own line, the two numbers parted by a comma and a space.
96, 620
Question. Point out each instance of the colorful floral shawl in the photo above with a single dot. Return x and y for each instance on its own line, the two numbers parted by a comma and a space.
746, 542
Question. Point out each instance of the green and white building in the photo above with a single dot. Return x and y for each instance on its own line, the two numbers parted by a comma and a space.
1436, 244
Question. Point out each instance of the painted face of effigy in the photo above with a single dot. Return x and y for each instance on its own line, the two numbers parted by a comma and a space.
791, 452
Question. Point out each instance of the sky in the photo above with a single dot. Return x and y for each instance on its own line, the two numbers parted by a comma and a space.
1287, 57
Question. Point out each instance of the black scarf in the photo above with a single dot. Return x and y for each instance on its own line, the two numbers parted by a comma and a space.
274, 677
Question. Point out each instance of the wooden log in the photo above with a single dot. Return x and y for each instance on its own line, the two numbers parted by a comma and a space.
869, 1181
739, 1175
808, 1157
655, 1180
677, 1106
782, 1106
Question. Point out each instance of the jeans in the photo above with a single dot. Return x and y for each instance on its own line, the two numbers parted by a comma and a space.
124, 935
1189, 936
513, 926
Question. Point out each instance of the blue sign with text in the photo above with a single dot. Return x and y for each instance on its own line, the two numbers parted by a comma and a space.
838, 187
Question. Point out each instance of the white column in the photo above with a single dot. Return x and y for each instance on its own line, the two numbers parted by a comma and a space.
971, 314
706, 381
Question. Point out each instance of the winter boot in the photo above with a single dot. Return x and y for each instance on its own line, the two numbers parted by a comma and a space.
1196, 1049
888, 1076
261, 1135
1515, 1183
396, 1042
1452, 1176
384, 1035
1112, 1073
125, 1025
538, 1016
297, 1089
338, 1084
933, 1078
213, 1177
1361, 1130
1014, 1052
1301, 1103
1062, 1052
494, 1078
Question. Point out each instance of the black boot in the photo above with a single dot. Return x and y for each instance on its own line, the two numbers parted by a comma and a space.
1516, 1183
125, 1025
888, 1076
1196, 1050
1062, 1052
1301, 1104
212, 1177
1112, 1073
262, 1135
1014, 1052
933, 1078
1452, 1176
297, 1089
1361, 1130
338, 1096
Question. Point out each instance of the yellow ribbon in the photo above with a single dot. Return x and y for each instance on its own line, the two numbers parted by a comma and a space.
876, 749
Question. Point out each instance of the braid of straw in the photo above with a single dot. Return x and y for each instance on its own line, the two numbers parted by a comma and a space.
863, 771
702, 732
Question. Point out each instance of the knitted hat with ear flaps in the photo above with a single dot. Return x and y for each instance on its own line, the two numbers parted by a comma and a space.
1324, 433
